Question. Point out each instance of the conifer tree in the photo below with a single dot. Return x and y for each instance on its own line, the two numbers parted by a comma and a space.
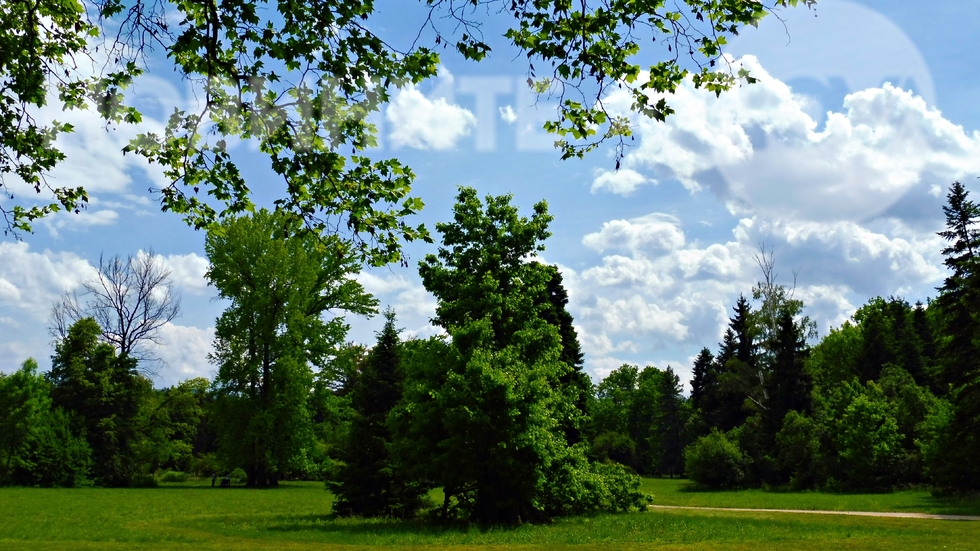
576, 381
370, 484
739, 378
787, 384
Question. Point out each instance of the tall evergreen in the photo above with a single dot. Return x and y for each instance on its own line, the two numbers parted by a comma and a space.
668, 426
739, 378
370, 484
704, 378
956, 467
553, 310
788, 385
960, 292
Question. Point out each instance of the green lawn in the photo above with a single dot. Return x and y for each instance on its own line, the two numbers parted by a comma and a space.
666, 491
194, 516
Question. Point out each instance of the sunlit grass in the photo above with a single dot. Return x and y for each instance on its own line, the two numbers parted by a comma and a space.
296, 516
667, 491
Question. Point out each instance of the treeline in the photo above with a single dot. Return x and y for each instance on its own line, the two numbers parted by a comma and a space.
498, 412
494, 413
890, 398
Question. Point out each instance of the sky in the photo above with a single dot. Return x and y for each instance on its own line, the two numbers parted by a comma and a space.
837, 161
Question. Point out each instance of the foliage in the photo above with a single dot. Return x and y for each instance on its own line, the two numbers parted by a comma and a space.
280, 280
370, 483
798, 459
172, 476
302, 81
960, 355
866, 435
168, 424
481, 417
713, 461
101, 392
37, 447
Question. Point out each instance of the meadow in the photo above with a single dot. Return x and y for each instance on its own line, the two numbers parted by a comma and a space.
295, 516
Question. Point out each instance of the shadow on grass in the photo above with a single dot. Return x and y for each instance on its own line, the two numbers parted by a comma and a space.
281, 487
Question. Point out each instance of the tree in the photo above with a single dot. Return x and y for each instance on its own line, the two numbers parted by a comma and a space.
168, 423
553, 310
616, 416
960, 291
369, 483
301, 82
37, 447
130, 299
954, 468
788, 385
281, 279
483, 422
667, 437
739, 378
102, 392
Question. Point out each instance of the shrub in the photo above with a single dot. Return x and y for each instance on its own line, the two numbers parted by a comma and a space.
172, 476
715, 462
238, 476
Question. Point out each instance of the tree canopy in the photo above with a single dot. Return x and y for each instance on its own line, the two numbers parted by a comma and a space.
301, 80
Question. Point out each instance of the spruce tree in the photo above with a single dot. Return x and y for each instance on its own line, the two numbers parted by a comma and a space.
553, 305
955, 467
704, 378
959, 295
739, 378
371, 484
787, 384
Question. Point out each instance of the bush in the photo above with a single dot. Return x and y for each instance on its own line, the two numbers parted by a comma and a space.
172, 476
238, 476
715, 462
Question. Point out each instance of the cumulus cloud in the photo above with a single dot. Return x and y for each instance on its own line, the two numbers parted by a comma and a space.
760, 151
31, 282
656, 292
184, 352
186, 271
422, 122
622, 182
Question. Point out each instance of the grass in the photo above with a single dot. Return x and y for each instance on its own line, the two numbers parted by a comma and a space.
667, 491
295, 516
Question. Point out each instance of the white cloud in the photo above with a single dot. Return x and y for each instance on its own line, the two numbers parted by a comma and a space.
186, 271
421, 122
31, 282
772, 159
508, 114
184, 351
622, 182
657, 232
659, 292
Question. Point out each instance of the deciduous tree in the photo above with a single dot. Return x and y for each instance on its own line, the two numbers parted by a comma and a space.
282, 280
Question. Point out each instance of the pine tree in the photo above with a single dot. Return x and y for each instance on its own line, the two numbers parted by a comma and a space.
371, 484
955, 467
958, 297
553, 310
668, 453
787, 385
739, 378
704, 378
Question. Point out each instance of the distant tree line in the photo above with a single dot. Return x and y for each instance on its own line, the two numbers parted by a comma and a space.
497, 411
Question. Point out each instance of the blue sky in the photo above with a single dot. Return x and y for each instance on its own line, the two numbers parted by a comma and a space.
838, 160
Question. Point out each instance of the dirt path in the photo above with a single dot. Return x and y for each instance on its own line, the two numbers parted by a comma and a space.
817, 512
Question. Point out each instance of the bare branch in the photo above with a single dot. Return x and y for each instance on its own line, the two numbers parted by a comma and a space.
130, 299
